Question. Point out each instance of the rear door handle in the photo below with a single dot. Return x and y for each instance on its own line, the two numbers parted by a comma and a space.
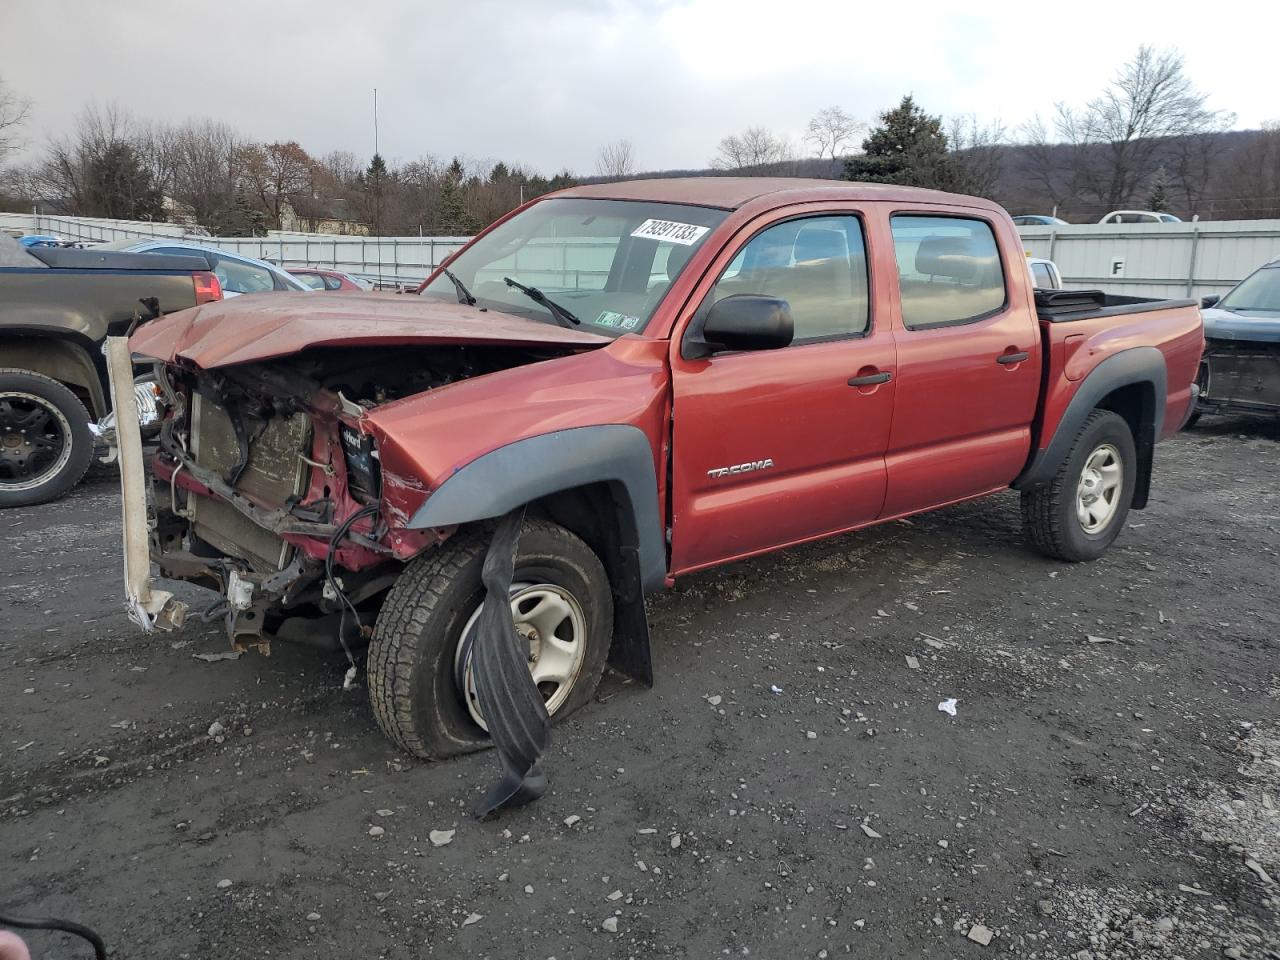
871, 379
1013, 357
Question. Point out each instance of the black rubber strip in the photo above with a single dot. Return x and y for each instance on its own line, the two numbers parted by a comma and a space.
509, 699
63, 926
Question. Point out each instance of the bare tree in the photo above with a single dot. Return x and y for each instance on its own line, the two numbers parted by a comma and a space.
278, 173
208, 172
754, 147
616, 160
66, 174
977, 155
1195, 157
13, 113
830, 129
1116, 136
1044, 164
1250, 188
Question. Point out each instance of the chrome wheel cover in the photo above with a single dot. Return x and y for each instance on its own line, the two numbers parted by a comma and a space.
1099, 488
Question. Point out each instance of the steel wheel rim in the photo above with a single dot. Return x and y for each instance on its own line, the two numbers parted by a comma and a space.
551, 620
35, 440
1098, 491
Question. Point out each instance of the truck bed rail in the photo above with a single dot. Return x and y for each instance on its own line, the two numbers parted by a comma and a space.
1065, 306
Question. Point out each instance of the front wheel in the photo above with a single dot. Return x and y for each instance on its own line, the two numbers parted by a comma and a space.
420, 675
1077, 514
45, 442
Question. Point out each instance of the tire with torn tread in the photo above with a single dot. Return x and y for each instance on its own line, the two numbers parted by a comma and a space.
71, 420
411, 677
1049, 511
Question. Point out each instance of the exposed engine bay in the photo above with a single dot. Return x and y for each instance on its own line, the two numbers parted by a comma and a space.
268, 491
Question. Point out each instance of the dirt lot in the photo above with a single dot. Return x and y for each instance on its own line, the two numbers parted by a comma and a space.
1109, 784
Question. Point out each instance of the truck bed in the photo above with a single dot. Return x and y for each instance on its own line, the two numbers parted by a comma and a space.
1082, 329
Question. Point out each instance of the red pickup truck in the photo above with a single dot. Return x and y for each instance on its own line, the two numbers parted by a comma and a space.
667, 375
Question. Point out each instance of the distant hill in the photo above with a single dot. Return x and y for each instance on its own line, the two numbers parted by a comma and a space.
1217, 177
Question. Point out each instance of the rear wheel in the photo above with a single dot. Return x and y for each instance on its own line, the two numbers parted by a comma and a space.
420, 675
45, 443
1077, 514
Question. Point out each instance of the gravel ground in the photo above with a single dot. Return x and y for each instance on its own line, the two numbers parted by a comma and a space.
1108, 786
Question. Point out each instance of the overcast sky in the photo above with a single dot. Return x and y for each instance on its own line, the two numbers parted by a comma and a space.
546, 82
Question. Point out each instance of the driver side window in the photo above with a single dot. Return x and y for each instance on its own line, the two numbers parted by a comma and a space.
818, 265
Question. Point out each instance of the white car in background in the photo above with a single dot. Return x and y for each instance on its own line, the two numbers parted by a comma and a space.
1139, 216
1044, 274
236, 273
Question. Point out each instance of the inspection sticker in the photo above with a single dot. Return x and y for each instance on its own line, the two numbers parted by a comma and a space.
609, 318
685, 234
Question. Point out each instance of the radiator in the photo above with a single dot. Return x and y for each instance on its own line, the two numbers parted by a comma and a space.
274, 473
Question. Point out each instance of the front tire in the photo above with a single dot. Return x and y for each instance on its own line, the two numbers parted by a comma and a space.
1077, 514
45, 442
418, 666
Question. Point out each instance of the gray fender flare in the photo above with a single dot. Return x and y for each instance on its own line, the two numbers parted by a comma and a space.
1138, 365
525, 470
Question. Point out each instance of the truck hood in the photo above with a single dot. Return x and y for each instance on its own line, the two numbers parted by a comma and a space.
263, 326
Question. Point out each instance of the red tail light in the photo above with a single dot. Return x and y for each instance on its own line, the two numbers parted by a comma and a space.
207, 286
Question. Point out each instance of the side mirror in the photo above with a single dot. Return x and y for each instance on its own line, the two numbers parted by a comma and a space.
1209, 301
745, 321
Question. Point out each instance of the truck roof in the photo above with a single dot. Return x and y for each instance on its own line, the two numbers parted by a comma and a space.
730, 193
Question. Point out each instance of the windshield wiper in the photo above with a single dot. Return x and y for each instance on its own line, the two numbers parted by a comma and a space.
464, 295
562, 315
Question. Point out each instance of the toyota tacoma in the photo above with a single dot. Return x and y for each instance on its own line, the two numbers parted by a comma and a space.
664, 376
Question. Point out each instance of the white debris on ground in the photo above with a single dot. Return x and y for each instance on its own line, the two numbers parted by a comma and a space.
1245, 815
1123, 923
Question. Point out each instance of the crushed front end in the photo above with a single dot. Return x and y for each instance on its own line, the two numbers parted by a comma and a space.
268, 487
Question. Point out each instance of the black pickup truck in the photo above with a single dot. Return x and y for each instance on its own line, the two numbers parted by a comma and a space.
57, 306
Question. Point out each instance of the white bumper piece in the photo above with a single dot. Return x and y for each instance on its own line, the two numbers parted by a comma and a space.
150, 609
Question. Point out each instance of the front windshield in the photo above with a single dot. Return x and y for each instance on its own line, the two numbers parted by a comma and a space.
607, 262
1257, 293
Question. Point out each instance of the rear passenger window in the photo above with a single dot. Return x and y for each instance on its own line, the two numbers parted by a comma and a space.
1042, 277
949, 270
818, 266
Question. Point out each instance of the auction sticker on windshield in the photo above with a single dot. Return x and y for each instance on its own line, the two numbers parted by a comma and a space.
685, 234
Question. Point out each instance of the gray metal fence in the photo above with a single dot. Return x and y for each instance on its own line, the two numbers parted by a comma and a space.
387, 261
1152, 260
1157, 259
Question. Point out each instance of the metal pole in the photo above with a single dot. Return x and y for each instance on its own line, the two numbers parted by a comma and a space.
1191, 267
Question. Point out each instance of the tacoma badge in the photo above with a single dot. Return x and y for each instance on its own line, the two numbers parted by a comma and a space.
716, 472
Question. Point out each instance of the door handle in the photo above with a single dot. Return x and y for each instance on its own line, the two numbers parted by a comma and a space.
1013, 357
871, 379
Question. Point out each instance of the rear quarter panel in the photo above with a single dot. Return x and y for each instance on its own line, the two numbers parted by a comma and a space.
1075, 349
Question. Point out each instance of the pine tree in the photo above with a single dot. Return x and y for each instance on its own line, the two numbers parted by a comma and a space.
375, 181
1158, 198
119, 186
908, 148
454, 217
241, 218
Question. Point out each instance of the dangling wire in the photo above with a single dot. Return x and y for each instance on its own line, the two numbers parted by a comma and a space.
347, 605
64, 926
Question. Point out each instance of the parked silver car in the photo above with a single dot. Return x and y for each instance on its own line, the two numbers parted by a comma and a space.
238, 274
